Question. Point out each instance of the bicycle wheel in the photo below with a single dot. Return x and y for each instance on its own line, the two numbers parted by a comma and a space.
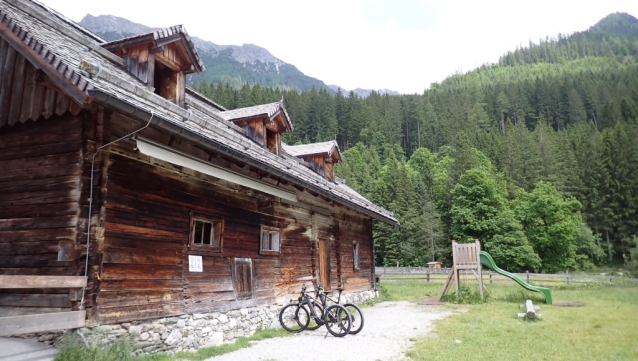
294, 318
337, 320
313, 322
356, 316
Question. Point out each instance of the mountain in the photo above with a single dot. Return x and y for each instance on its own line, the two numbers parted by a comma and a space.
362, 93
231, 64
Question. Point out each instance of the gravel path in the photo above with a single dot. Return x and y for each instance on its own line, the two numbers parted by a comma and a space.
386, 335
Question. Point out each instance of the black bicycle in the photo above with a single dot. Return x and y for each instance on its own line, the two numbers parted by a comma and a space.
355, 312
296, 316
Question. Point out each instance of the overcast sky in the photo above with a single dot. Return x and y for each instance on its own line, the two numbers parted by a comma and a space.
402, 45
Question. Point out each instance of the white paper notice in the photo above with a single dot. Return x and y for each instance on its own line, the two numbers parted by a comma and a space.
195, 264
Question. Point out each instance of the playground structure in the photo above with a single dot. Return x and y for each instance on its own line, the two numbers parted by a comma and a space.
468, 256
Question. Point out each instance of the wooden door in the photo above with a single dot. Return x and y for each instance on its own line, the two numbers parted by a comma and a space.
324, 263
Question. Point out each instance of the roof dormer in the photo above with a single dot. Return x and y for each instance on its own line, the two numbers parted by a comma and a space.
262, 123
320, 156
161, 59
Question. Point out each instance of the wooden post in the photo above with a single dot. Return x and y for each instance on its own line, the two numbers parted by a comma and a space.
457, 279
490, 272
478, 267
427, 276
567, 277
527, 272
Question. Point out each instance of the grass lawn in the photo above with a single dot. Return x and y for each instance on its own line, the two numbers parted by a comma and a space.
606, 328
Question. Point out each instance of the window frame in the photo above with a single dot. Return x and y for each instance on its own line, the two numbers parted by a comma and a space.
270, 230
217, 233
356, 255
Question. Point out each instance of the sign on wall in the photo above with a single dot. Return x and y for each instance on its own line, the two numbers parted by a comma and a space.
195, 264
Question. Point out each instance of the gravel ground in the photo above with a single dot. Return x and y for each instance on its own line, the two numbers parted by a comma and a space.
388, 328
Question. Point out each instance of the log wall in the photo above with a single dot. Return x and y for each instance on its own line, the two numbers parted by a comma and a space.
39, 204
138, 260
145, 272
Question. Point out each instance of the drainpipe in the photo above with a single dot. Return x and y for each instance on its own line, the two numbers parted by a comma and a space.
88, 226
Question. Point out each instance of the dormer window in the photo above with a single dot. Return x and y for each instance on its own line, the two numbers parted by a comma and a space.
161, 60
320, 156
262, 123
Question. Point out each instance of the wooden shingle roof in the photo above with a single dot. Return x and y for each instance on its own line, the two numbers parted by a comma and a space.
269, 111
304, 150
80, 67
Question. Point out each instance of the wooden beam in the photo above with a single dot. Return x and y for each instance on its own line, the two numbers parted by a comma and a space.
167, 40
17, 325
122, 45
164, 60
59, 79
10, 281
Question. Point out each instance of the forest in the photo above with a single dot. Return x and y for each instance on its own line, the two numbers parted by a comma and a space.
536, 155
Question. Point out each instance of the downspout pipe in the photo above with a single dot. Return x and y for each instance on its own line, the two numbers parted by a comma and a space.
88, 226
140, 114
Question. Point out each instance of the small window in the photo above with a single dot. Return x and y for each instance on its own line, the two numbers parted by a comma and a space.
206, 233
270, 240
242, 278
355, 254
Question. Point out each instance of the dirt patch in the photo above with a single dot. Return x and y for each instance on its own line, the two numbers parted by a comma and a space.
568, 304
431, 301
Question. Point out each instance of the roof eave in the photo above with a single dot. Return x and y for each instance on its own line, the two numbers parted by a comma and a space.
142, 115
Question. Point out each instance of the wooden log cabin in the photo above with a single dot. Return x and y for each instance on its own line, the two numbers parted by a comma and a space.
169, 204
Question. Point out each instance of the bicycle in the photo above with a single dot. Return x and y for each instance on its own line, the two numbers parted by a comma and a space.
355, 312
295, 317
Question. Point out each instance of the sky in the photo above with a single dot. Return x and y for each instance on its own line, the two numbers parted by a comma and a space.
401, 45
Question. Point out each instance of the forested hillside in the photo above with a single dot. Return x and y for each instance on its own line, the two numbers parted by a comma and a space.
536, 156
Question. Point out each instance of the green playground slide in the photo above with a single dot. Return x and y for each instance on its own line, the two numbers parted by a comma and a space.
487, 261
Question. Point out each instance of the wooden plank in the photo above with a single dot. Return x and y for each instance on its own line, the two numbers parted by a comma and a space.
108, 299
29, 89
41, 150
5, 84
18, 224
49, 103
119, 314
37, 103
35, 300
41, 322
3, 53
16, 93
42, 281
62, 104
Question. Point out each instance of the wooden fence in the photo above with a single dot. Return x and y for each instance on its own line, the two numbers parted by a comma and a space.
439, 275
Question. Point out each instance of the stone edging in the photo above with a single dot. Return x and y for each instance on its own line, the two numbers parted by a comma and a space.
190, 332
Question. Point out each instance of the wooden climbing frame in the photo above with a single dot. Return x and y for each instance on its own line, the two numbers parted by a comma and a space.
465, 257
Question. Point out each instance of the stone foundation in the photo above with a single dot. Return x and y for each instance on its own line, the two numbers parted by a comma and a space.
190, 332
